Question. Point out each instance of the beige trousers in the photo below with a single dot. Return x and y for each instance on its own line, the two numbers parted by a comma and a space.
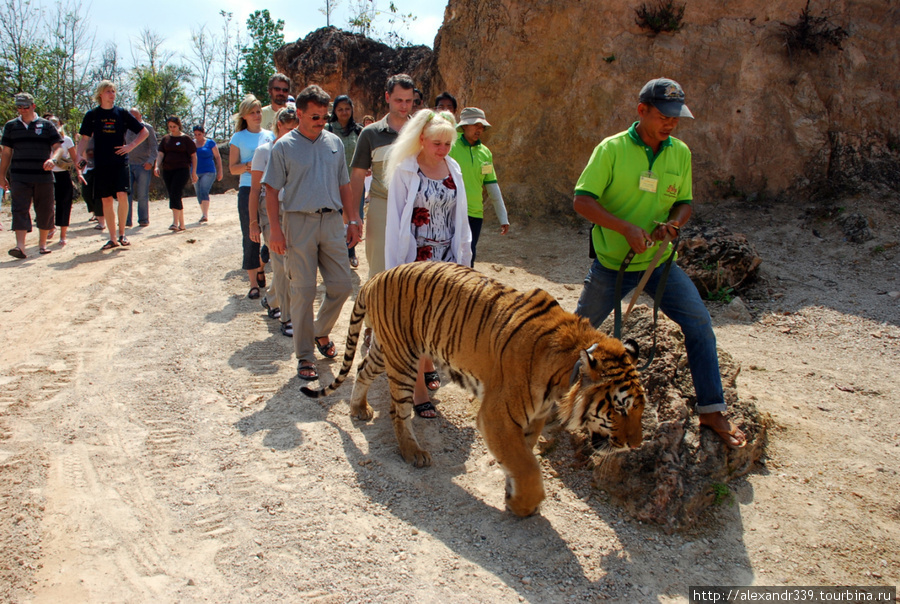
315, 242
376, 223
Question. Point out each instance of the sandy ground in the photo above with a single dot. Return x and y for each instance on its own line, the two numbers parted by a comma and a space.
154, 445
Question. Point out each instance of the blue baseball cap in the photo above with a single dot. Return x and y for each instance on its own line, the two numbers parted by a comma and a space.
667, 96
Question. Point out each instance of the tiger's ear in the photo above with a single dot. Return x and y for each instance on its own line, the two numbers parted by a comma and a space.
586, 362
633, 350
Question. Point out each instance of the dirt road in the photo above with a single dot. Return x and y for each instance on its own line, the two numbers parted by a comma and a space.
154, 445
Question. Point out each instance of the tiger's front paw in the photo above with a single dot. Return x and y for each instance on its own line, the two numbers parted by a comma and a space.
523, 504
416, 456
363, 411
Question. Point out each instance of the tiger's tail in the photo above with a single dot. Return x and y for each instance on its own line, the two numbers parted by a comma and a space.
356, 322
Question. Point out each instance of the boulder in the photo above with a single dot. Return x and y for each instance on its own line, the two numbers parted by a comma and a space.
681, 469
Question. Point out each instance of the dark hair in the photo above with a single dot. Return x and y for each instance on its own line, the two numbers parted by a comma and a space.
279, 77
402, 80
198, 128
175, 120
312, 94
446, 96
352, 126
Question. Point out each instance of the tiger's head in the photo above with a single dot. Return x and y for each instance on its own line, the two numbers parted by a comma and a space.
606, 397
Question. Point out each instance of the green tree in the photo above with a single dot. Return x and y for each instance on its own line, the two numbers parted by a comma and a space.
364, 15
159, 93
258, 63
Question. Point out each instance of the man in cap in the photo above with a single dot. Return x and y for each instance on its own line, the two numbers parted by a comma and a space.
29, 146
477, 164
637, 190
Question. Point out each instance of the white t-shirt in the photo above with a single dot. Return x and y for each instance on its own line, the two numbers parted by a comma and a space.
67, 144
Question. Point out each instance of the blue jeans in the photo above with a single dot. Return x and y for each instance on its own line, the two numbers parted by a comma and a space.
140, 190
203, 185
682, 303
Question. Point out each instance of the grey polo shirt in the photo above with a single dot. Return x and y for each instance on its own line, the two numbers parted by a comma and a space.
310, 171
371, 153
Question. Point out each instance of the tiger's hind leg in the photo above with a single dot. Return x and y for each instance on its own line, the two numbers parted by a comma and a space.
371, 367
512, 448
402, 383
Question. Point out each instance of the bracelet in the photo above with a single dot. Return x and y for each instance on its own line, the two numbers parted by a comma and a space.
352, 222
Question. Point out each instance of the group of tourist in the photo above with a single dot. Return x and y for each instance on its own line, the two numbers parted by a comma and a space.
303, 172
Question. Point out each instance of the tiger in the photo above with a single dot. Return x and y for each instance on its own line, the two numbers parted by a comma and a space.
519, 353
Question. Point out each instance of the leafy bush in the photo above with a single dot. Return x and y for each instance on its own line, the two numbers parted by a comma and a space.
813, 33
660, 16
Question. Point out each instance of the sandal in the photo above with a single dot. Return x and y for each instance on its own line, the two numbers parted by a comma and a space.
109, 245
287, 329
17, 253
44, 250
97, 227
253, 294
311, 372
274, 313
261, 278
123, 241
426, 410
733, 438
172, 227
432, 377
327, 350
204, 219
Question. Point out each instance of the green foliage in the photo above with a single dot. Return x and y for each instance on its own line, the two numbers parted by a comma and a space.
258, 63
721, 494
610, 58
813, 33
160, 93
724, 294
660, 16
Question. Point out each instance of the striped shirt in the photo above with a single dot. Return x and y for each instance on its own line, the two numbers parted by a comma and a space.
32, 145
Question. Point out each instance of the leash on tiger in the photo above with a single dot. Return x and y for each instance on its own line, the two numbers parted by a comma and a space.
619, 319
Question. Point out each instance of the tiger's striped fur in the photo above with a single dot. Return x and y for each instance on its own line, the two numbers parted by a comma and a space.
520, 353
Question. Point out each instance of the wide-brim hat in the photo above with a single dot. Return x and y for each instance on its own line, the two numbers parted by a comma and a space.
471, 116
667, 96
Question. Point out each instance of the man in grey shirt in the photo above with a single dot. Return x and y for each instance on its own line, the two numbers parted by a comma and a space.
309, 164
140, 167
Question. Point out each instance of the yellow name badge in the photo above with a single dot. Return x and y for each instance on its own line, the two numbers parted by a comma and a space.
487, 168
648, 182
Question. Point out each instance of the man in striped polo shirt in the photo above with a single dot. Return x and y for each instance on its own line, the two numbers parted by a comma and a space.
28, 145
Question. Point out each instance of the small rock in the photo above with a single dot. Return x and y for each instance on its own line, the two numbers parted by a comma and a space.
191, 582
894, 295
738, 311
526, 580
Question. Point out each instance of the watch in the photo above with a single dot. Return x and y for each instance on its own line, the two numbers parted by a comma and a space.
352, 222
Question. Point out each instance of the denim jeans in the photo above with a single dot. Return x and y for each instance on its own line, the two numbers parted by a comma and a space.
204, 185
682, 303
475, 227
140, 190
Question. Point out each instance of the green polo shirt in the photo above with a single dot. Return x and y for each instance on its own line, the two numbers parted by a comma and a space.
612, 177
477, 165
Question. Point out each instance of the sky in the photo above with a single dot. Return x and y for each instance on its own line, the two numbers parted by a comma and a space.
116, 20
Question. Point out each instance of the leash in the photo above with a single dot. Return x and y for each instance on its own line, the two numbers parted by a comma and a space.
660, 288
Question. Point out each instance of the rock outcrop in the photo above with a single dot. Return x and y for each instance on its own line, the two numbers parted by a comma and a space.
680, 470
345, 63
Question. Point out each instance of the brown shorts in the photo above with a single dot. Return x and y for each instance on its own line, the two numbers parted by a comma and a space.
22, 194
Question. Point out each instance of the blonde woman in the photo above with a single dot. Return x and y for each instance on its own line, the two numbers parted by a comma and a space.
248, 135
427, 214
106, 125
279, 293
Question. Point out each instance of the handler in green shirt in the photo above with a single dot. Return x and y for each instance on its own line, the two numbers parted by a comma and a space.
637, 189
477, 164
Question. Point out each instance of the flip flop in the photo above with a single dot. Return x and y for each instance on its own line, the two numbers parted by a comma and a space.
327, 350
124, 241
44, 250
17, 253
428, 407
109, 245
430, 378
261, 278
310, 367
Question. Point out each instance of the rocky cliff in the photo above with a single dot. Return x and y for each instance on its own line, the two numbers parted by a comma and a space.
556, 77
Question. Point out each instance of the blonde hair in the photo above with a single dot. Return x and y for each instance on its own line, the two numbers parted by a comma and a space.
426, 123
284, 116
101, 88
55, 121
249, 103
